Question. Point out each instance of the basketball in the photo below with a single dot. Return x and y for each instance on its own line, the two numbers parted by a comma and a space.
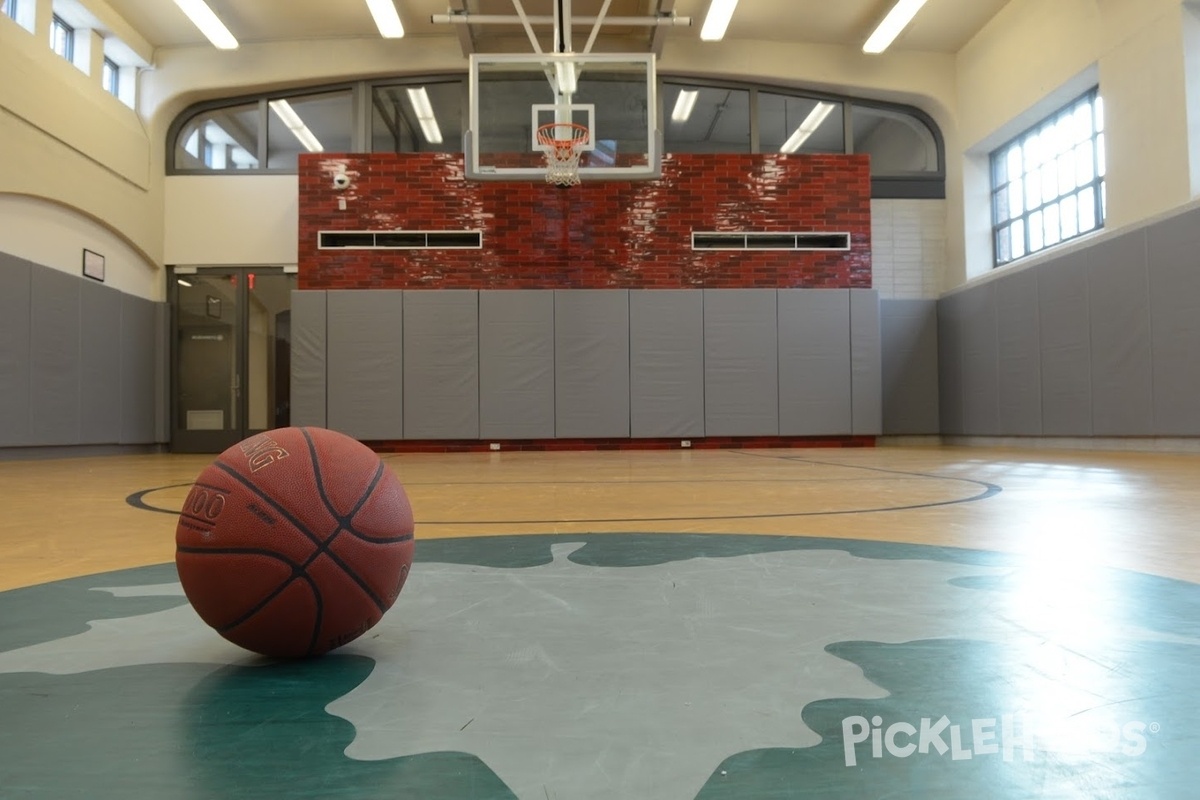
294, 542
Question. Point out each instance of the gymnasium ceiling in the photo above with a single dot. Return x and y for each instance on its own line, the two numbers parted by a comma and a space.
942, 26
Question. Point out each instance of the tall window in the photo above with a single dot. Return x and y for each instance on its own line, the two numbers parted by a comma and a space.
62, 38
1048, 183
9, 8
110, 76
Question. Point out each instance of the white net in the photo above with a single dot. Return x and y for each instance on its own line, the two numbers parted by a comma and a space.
563, 143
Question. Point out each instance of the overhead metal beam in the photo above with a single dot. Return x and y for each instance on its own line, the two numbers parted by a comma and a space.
596, 28
465, 40
666, 8
537, 48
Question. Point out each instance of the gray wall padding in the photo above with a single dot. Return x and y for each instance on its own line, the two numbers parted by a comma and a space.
441, 365
606, 363
866, 363
100, 360
308, 358
16, 311
910, 366
1173, 256
364, 367
666, 363
741, 363
1019, 356
1065, 329
1119, 302
951, 321
516, 364
80, 363
814, 362
1101, 340
981, 411
140, 378
55, 358
591, 363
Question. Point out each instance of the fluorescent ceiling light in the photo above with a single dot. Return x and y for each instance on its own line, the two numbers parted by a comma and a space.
684, 105
424, 111
283, 109
203, 18
719, 14
896, 20
807, 128
386, 18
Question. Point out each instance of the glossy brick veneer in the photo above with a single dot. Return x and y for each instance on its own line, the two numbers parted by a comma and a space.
602, 234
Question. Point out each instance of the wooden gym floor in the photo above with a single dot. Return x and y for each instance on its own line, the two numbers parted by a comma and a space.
917, 622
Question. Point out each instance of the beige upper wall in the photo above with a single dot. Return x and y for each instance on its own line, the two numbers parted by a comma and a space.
70, 146
1036, 55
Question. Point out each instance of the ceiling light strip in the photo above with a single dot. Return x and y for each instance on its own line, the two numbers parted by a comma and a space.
203, 18
896, 21
807, 128
386, 18
283, 109
425, 116
720, 12
684, 105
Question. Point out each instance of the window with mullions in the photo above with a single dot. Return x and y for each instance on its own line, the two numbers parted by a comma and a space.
1048, 183
62, 38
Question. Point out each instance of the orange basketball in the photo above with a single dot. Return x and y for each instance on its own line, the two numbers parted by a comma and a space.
294, 542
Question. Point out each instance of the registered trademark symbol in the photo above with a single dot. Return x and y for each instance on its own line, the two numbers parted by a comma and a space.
1155, 727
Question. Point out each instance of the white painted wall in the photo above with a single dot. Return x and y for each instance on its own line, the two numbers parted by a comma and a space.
231, 219
908, 248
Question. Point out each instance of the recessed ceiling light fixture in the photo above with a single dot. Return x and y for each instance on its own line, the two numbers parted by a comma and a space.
684, 105
203, 18
386, 18
807, 128
283, 109
424, 111
896, 21
719, 14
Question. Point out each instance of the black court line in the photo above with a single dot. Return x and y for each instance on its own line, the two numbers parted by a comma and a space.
987, 490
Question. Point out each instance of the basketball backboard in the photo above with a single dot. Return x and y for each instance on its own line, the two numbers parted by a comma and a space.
513, 94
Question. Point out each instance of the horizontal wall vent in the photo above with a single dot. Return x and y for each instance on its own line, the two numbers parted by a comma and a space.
399, 240
741, 240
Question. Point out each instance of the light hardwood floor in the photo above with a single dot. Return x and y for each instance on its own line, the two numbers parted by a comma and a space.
1137, 511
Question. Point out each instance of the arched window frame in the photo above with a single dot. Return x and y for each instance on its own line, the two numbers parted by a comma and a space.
929, 183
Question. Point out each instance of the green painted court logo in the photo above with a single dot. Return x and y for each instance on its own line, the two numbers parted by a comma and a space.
635, 666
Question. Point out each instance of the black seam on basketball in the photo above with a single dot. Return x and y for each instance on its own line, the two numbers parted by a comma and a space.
349, 573
322, 547
240, 551
271, 501
344, 521
266, 600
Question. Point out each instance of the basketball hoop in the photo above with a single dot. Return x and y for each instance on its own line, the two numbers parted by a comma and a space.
563, 143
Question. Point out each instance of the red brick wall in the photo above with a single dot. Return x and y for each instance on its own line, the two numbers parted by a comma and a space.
604, 234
